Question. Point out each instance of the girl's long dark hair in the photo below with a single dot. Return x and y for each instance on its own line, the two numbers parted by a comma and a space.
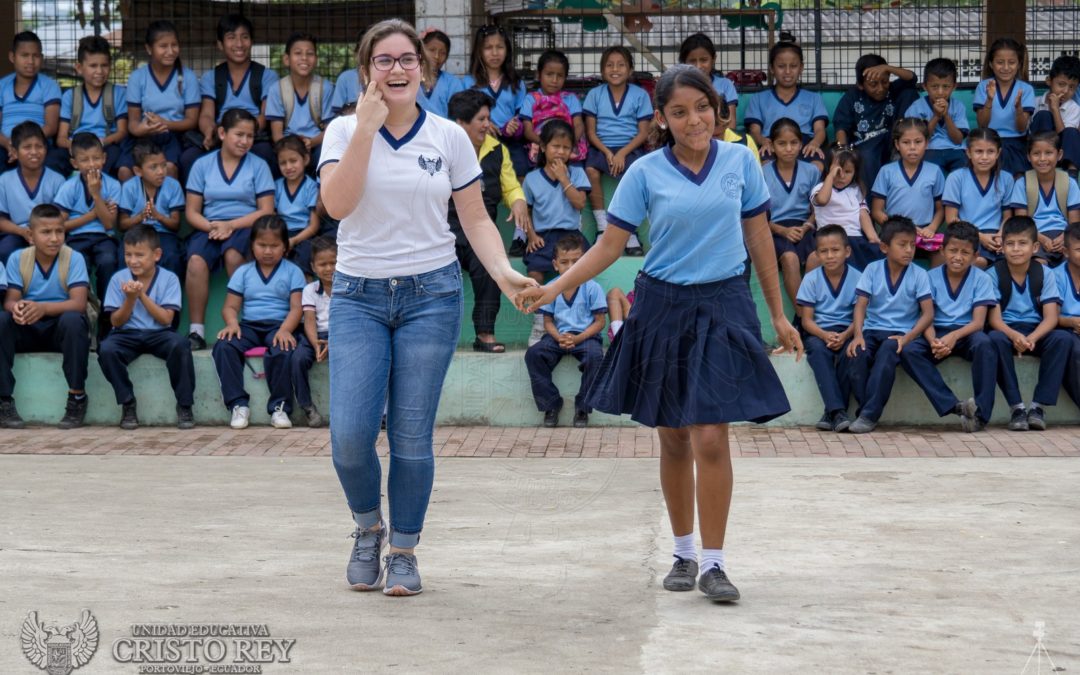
477, 68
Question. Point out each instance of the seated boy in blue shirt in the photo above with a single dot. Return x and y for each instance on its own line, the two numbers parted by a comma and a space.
89, 201
826, 297
946, 116
962, 295
45, 310
572, 325
893, 309
153, 197
27, 95
96, 106
1025, 322
24, 187
1068, 281
142, 301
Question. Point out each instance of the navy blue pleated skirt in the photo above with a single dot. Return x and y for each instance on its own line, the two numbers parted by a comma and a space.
689, 355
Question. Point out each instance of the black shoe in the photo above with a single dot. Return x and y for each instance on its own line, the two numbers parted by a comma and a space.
716, 586
634, 251
9, 416
196, 341
1019, 420
517, 248
825, 423
581, 419
74, 412
314, 419
1036, 419
551, 418
683, 575
129, 420
840, 421
185, 418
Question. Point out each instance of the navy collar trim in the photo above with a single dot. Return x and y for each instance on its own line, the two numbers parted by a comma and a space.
162, 86
31, 194
1004, 97
33, 83
948, 285
1047, 197
914, 177
798, 90
695, 178
888, 278
788, 187
243, 80
839, 287
617, 107
292, 195
397, 143
989, 184
221, 168
270, 276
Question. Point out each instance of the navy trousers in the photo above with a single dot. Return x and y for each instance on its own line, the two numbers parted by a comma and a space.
949, 160
1053, 351
873, 372
68, 334
919, 362
541, 359
302, 361
229, 360
1072, 370
830, 370
101, 254
9, 243
121, 347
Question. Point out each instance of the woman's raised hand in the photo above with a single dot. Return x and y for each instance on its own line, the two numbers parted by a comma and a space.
371, 111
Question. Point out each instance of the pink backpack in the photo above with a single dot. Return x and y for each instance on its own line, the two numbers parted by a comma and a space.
552, 106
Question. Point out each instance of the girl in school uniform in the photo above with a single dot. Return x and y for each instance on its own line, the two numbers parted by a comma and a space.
689, 357
296, 198
227, 191
787, 99
1057, 197
438, 85
790, 181
262, 309
980, 194
163, 96
1004, 103
700, 52
912, 187
617, 115
838, 200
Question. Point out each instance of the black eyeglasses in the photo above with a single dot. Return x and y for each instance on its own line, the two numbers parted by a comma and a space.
408, 61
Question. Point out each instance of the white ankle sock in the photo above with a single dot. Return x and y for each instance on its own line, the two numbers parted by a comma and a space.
615, 326
633, 241
519, 234
685, 548
600, 215
710, 557
199, 329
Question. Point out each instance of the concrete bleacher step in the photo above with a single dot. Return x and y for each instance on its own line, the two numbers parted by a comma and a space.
480, 389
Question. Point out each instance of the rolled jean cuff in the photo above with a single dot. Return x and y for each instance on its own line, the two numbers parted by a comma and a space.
368, 519
404, 540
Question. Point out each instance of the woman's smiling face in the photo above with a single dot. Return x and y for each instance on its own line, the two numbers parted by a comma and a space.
398, 85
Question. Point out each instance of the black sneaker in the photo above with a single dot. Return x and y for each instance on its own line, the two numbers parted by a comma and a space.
1019, 420
716, 586
314, 419
9, 415
634, 251
581, 419
683, 575
551, 418
517, 248
840, 421
1036, 418
129, 420
825, 423
185, 418
74, 412
196, 341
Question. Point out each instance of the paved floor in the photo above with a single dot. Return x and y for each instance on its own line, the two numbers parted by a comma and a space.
896, 565
628, 442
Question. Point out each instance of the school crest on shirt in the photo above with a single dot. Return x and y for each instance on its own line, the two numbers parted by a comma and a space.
431, 165
730, 185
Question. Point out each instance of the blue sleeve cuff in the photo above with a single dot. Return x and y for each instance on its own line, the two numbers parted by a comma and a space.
236, 293
946, 202
621, 224
193, 192
747, 121
876, 194
985, 303
174, 308
192, 105
820, 118
264, 193
862, 293
1028, 110
478, 177
588, 113
86, 284
274, 118
924, 296
324, 163
52, 101
762, 208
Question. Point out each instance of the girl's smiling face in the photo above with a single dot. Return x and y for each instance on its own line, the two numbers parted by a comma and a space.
983, 155
616, 70
1044, 157
237, 140
165, 50
690, 117
1005, 64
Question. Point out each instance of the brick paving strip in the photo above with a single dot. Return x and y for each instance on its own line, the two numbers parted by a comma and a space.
532, 442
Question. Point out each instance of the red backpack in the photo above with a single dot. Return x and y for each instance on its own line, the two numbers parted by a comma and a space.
552, 106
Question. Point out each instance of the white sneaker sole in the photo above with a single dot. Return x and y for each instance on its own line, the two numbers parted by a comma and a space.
401, 592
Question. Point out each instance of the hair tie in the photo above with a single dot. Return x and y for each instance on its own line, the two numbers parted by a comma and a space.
427, 31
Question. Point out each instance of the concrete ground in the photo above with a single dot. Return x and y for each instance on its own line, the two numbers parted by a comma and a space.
846, 565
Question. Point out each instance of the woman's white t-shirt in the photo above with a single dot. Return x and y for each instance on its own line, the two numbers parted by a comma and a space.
399, 227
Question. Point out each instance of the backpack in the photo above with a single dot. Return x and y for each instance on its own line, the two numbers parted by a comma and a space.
1035, 283
552, 106
315, 97
221, 84
108, 105
63, 266
1061, 190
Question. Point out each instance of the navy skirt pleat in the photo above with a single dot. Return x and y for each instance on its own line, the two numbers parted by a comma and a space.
689, 354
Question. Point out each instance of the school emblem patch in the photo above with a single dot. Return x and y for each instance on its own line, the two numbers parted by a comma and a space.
730, 185
432, 166
59, 649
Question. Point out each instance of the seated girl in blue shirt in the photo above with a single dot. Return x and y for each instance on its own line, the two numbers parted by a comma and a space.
296, 196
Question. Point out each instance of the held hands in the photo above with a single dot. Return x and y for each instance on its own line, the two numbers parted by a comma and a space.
220, 230
27, 312
322, 350
991, 241
148, 211
940, 108
513, 283
229, 332
833, 340
284, 340
533, 298
567, 341
616, 163
154, 124
794, 234
1020, 342
371, 111
943, 346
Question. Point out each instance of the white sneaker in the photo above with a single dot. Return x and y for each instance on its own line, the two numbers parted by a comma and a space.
279, 419
241, 414
537, 330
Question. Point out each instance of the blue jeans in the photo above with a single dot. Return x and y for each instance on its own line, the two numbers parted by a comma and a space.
391, 340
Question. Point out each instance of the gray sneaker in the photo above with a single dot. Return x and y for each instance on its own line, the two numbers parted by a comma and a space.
716, 586
364, 572
683, 575
402, 576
